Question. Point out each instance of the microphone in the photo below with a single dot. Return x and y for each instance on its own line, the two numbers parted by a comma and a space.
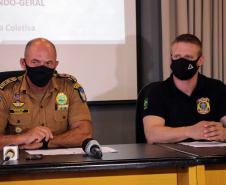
92, 148
10, 153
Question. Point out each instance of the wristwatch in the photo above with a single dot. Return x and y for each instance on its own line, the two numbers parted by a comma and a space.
45, 144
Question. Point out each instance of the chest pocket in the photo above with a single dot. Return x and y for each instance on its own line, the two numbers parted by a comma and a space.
19, 123
60, 121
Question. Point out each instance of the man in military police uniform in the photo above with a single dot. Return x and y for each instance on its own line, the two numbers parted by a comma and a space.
187, 106
41, 109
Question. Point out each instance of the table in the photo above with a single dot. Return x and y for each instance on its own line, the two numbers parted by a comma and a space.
133, 164
210, 161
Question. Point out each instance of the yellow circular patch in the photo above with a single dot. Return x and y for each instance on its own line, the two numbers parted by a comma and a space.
18, 130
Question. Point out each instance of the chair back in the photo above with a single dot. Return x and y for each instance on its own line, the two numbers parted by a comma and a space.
8, 74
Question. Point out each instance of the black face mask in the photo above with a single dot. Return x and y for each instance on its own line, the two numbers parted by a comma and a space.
184, 69
40, 76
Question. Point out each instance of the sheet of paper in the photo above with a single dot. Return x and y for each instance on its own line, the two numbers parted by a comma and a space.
67, 151
204, 144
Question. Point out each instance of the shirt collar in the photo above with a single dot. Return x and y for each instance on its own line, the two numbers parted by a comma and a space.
25, 87
200, 84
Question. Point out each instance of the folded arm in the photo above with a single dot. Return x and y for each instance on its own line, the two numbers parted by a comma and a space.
79, 131
156, 131
216, 131
34, 135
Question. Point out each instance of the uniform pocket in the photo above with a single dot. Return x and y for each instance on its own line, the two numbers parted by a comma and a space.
60, 121
19, 123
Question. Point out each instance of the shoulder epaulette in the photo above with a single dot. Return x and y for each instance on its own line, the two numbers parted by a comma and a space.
67, 76
7, 81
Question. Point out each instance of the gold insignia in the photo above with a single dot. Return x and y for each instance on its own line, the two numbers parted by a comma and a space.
7, 81
18, 130
77, 86
67, 76
203, 105
18, 111
17, 103
61, 98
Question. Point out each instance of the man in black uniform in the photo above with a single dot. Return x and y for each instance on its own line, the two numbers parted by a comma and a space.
188, 105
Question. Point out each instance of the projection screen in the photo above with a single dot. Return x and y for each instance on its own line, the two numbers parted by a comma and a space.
95, 41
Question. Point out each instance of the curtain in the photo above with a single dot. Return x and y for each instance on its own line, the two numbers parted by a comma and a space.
204, 18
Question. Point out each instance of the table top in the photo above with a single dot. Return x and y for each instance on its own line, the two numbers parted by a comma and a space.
202, 155
129, 156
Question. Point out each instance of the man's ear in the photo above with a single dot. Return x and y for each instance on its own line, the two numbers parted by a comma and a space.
201, 61
22, 63
57, 62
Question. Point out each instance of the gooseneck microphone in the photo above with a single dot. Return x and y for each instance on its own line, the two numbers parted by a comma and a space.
92, 148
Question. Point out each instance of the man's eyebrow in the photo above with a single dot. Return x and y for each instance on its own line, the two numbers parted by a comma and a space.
40, 61
35, 60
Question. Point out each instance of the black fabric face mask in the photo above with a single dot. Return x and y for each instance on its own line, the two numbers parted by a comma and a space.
40, 76
184, 69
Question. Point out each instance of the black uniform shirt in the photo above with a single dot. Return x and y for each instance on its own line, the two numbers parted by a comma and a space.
207, 102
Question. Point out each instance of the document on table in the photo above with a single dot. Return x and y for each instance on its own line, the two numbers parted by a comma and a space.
67, 151
203, 144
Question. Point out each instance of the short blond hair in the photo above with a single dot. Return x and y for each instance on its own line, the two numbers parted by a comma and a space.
189, 38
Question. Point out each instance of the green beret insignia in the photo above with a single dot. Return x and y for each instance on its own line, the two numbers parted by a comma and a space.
7, 81
67, 76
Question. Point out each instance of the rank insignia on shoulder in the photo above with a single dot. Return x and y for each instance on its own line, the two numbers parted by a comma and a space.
67, 76
7, 81
81, 91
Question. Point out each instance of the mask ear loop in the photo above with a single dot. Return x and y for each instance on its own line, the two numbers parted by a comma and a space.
25, 62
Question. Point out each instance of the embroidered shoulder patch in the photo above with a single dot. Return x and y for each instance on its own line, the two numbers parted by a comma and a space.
67, 76
81, 91
7, 81
145, 103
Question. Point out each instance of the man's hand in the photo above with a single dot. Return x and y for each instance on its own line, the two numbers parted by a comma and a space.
208, 130
214, 131
197, 131
36, 135
32, 146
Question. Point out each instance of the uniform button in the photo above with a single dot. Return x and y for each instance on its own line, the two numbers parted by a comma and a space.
64, 117
43, 124
18, 121
41, 106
